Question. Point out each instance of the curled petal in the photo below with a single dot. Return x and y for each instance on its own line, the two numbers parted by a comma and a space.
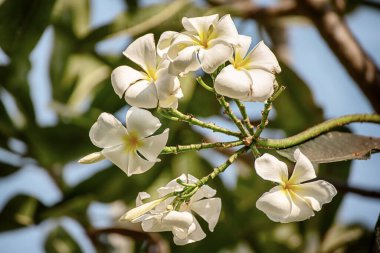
143, 52
92, 158
180, 42
107, 131
119, 156
122, 77
209, 210
270, 168
261, 57
142, 94
211, 58
262, 85
185, 62
164, 43
153, 223
138, 165
140, 197
233, 83
224, 31
303, 170
195, 236
199, 25
152, 146
142, 122
172, 186
241, 50
316, 193
276, 204
300, 210
168, 88
204, 192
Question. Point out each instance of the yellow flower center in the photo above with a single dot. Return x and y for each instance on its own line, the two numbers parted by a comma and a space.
152, 74
131, 142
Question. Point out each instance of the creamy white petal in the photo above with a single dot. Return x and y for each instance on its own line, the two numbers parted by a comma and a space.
152, 146
204, 192
172, 186
119, 156
211, 58
195, 236
300, 210
168, 88
200, 25
185, 62
270, 168
261, 57
241, 50
303, 170
233, 83
142, 122
92, 158
140, 197
262, 85
224, 31
316, 193
107, 131
209, 210
276, 204
154, 223
142, 94
143, 52
180, 42
178, 219
164, 42
122, 77
138, 165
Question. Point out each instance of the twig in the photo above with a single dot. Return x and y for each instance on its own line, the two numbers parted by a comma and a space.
194, 147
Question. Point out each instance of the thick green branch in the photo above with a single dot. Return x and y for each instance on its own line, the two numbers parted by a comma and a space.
194, 147
317, 130
176, 115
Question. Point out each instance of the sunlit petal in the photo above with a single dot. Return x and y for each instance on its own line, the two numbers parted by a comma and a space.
233, 83
300, 210
224, 31
303, 170
164, 42
122, 77
199, 25
209, 210
152, 146
142, 94
142, 122
275, 204
270, 168
185, 62
119, 156
211, 58
138, 165
107, 131
195, 236
262, 85
261, 57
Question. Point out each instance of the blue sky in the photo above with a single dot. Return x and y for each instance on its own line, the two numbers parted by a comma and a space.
312, 59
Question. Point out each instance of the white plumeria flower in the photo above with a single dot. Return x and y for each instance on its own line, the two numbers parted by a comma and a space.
120, 144
292, 200
206, 43
250, 76
158, 215
149, 88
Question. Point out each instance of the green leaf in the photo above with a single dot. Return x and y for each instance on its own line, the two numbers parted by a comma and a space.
334, 147
60, 241
19, 212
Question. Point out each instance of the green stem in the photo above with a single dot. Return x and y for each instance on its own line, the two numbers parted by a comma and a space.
316, 131
176, 115
231, 114
194, 147
222, 167
204, 85
244, 114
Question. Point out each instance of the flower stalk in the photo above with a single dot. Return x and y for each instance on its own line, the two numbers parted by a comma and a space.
195, 147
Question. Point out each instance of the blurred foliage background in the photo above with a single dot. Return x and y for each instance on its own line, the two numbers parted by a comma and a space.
79, 90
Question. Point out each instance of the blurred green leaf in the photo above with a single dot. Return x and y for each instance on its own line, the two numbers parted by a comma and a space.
60, 241
334, 147
20, 211
7, 169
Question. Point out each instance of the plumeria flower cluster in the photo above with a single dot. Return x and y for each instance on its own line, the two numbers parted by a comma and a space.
213, 45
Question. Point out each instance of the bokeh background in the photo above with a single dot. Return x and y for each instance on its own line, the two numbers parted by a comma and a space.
55, 63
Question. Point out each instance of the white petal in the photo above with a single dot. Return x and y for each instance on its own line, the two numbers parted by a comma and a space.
211, 58
195, 236
138, 165
224, 31
119, 156
152, 146
178, 219
209, 210
107, 131
153, 223
300, 210
204, 192
200, 25
164, 42
261, 57
316, 193
270, 168
244, 42
135, 213
142, 94
142, 122
185, 62
140, 197
303, 170
92, 158
233, 83
262, 85
275, 204
172, 186
143, 52
122, 77
168, 88
180, 42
